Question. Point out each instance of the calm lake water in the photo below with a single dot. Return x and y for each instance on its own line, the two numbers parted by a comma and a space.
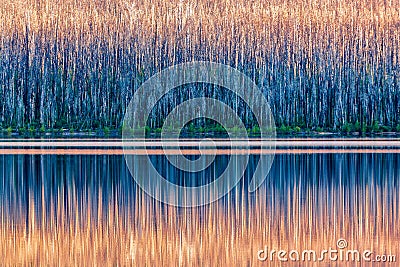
76, 209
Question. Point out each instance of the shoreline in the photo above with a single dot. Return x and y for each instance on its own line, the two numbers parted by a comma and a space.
196, 135
191, 147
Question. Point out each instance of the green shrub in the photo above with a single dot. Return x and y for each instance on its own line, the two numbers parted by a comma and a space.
191, 128
235, 129
147, 130
364, 129
357, 126
347, 127
375, 127
219, 128
106, 130
169, 129
31, 129
21, 130
284, 129
255, 130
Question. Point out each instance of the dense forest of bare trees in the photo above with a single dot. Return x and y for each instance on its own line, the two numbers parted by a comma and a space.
322, 64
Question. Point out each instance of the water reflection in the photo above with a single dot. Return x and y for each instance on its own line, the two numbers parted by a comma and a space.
86, 208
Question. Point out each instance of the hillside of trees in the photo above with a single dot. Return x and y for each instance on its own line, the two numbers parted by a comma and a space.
322, 64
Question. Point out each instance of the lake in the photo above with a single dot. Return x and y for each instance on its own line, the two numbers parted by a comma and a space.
75, 202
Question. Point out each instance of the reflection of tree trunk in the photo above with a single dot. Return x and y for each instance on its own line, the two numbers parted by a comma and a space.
25, 174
